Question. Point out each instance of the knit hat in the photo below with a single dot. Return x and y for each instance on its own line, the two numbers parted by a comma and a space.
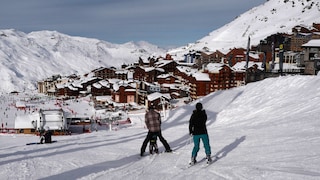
199, 106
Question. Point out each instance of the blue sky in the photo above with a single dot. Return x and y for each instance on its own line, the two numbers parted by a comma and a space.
161, 22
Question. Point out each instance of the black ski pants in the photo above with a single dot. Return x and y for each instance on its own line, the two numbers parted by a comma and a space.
149, 136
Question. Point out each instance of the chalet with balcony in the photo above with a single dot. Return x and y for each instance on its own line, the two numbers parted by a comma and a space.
254, 72
199, 85
145, 88
101, 88
70, 91
175, 90
121, 74
124, 92
217, 56
105, 72
168, 66
158, 100
239, 54
167, 78
86, 83
302, 34
183, 74
148, 74
221, 76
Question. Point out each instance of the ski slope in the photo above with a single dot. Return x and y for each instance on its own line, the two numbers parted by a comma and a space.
265, 130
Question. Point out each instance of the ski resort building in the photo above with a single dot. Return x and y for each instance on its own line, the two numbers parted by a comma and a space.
53, 120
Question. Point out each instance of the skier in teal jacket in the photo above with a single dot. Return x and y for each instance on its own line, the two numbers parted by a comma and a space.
198, 129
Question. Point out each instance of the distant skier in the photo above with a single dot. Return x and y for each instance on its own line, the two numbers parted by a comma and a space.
153, 122
198, 129
45, 136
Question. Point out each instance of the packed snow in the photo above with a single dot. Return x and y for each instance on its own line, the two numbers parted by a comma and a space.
264, 130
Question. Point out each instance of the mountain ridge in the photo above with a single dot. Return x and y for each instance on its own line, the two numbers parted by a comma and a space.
274, 16
28, 58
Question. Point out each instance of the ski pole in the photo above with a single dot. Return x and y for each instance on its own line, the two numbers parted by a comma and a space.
188, 141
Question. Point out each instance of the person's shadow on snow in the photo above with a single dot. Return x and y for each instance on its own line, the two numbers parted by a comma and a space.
224, 151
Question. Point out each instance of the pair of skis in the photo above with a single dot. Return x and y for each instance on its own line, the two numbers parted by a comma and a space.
208, 162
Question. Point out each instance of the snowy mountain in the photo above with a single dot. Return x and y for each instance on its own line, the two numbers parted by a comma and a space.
28, 58
265, 130
269, 18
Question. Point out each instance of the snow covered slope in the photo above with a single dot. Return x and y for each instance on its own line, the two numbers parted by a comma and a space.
27, 58
269, 18
265, 130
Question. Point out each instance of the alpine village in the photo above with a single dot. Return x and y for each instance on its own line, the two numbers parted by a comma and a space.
198, 74
162, 80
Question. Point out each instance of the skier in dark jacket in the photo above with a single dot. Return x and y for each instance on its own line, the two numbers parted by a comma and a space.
198, 129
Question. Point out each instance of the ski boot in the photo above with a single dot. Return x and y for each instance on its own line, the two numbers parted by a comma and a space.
209, 159
193, 161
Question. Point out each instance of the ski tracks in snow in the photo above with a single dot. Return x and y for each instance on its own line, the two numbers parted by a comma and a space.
168, 165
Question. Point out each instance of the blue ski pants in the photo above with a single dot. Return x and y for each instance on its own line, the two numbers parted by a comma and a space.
196, 141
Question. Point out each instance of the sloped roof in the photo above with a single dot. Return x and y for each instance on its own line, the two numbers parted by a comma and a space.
312, 43
156, 95
201, 76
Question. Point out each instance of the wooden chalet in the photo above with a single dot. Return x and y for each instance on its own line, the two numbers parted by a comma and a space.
105, 72
158, 100
254, 72
199, 85
239, 54
183, 74
121, 74
71, 91
168, 66
148, 74
203, 58
101, 88
167, 78
221, 76
123, 93
87, 82
145, 88
217, 56
302, 34
175, 90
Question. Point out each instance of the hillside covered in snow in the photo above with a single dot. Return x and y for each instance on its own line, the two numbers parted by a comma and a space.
265, 130
274, 16
28, 58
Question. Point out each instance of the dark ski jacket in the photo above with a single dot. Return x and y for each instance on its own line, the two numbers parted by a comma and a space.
197, 123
